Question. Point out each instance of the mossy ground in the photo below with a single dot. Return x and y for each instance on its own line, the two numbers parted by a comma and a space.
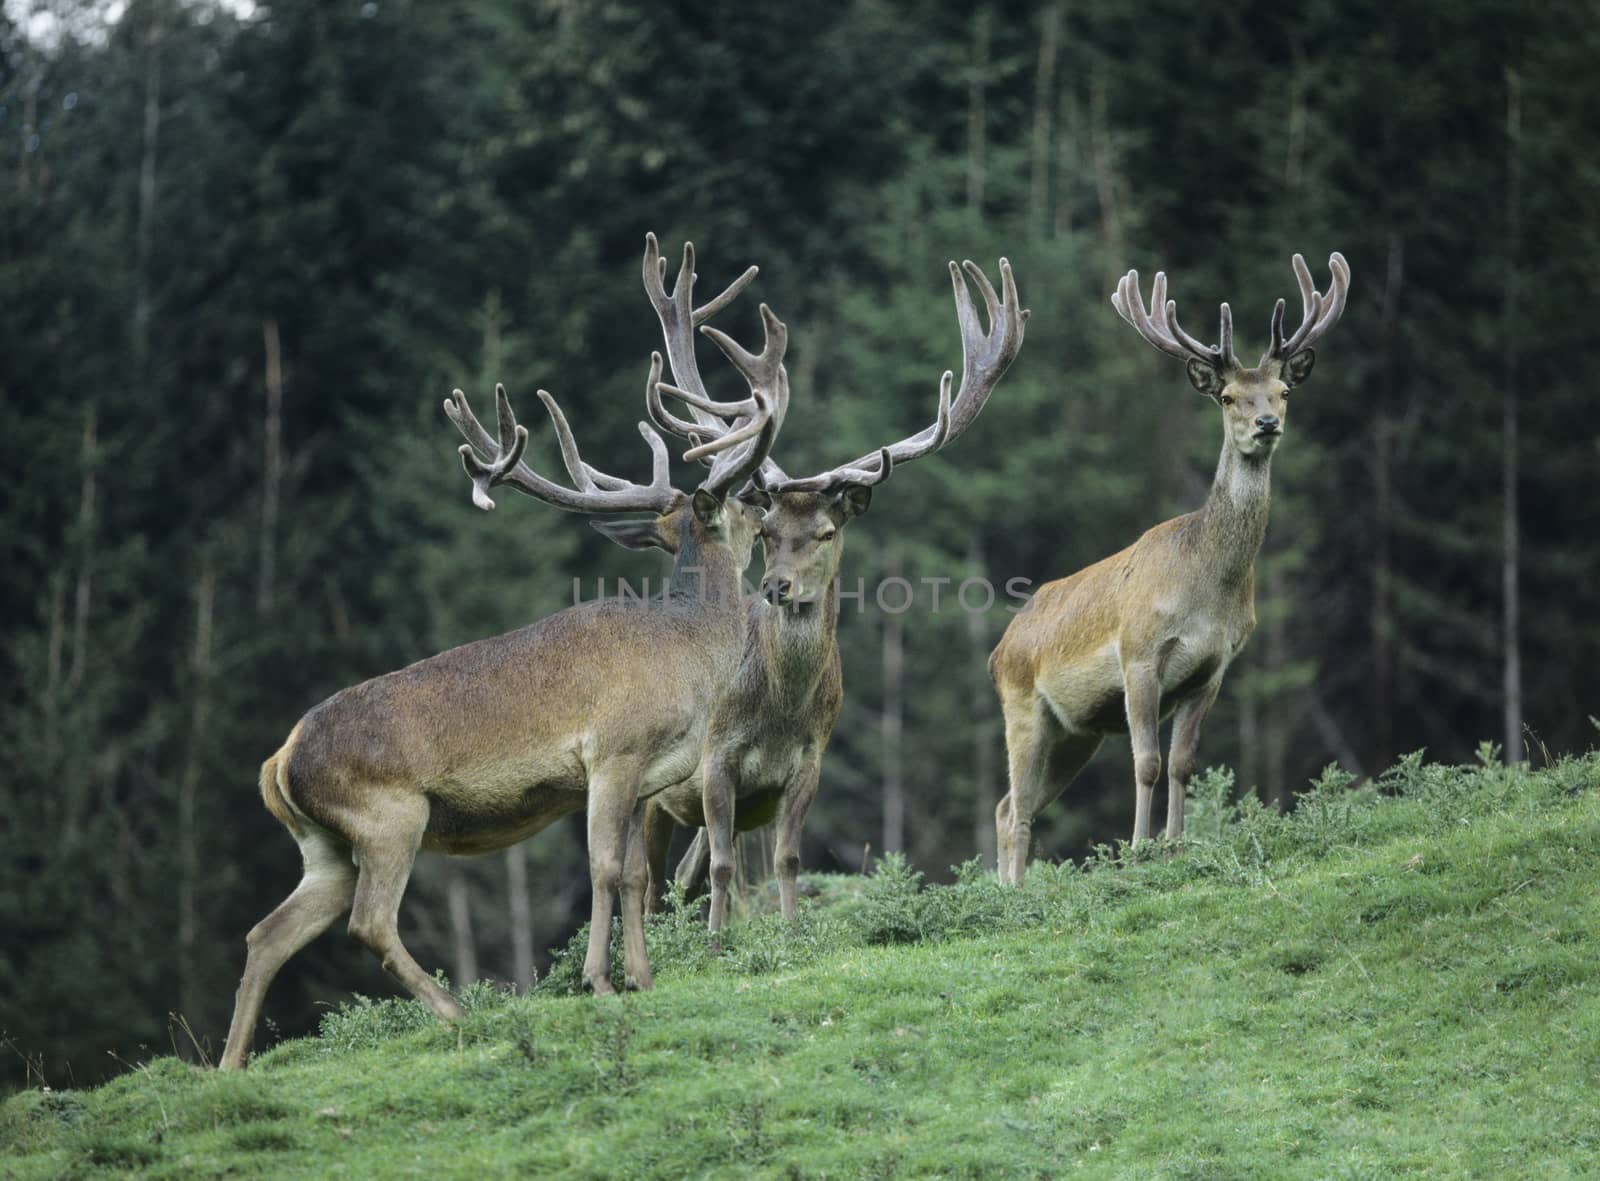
1397, 981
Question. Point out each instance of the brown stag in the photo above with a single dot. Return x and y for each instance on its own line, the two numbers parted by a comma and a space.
481, 746
765, 742
1148, 632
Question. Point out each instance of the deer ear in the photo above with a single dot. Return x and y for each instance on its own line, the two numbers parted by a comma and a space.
852, 500
1205, 377
637, 534
708, 509
1298, 367
756, 498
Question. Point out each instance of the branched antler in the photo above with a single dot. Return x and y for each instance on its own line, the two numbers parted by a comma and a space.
592, 491
755, 420
1318, 312
986, 354
679, 318
1159, 326
734, 454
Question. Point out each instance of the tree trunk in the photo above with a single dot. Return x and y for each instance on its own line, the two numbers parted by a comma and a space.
1276, 769
982, 721
1068, 157
272, 464
1248, 771
1382, 673
188, 783
145, 232
464, 943
84, 592
894, 793
1102, 155
1510, 537
977, 109
1044, 82
52, 664
521, 916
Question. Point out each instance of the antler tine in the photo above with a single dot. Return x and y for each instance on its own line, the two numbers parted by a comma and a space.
1275, 348
664, 418
594, 491
1319, 312
507, 452
679, 318
985, 356
1160, 327
742, 447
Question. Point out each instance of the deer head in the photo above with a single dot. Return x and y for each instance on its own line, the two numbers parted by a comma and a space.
1254, 401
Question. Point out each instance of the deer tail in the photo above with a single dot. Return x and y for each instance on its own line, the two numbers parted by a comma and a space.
275, 787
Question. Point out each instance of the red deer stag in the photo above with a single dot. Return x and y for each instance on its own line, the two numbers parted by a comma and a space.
1149, 632
481, 746
767, 734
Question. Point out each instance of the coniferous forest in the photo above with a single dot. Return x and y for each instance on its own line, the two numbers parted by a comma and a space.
247, 250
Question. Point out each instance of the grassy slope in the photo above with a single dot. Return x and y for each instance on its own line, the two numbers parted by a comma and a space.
1394, 986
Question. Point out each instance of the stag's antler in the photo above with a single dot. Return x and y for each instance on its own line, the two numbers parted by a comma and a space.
1160, 326
985, 357
1318, 312
593, 491
679, 318
755, 420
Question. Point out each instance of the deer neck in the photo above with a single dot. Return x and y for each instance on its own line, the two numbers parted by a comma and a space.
796, 643
704, 573
1235, 513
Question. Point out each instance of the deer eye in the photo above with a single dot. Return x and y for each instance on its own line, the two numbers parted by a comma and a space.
1227, 399
826, 533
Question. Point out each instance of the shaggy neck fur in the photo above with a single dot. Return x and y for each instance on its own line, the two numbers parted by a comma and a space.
1235, 512
707, 573
796, 643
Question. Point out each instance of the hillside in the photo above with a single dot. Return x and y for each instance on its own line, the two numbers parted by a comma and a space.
1397, 981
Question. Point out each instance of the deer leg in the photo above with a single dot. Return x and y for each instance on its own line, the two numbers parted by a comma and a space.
613, 792
1026, 752
658, 828
717, 804
1002, 839
1180, 756
1142, 691
1043, 762
324, 893
385, 839
792, 808
694, 865
636, 972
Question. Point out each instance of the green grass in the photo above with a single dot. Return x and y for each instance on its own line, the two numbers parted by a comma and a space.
1397, 981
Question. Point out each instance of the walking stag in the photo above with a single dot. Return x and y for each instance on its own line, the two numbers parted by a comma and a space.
1149, 632
479, 747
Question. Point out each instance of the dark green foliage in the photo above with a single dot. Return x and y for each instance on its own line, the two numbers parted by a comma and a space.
416, 196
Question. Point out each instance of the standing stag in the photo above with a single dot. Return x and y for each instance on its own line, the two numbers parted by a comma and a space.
766, 738
1149, 632
480, 747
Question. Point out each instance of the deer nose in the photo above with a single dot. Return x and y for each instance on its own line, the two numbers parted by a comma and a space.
778, 590
1267, 423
